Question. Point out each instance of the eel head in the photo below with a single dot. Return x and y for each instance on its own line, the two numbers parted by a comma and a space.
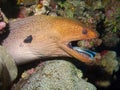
69, 33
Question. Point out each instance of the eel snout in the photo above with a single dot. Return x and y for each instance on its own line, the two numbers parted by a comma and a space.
83, 49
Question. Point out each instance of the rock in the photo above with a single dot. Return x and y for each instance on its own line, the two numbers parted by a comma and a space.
8, 69
54, 75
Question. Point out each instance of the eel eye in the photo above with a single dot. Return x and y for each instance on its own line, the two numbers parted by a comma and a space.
84, 31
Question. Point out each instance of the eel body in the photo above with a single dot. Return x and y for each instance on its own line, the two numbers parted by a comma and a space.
42, 36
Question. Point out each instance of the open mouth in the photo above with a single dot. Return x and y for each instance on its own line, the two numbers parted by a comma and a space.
85, 47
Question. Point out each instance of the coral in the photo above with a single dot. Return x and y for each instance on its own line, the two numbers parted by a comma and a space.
54, 75
112, 14
26, 2
110, 39
109, 62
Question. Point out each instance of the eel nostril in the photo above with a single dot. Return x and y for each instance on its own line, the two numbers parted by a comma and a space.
28, 39
84, 31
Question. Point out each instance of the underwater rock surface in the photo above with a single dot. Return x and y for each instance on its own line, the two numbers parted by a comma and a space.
8, 69
54, 75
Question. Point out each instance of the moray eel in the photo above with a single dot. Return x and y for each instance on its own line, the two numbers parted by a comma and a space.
40, 36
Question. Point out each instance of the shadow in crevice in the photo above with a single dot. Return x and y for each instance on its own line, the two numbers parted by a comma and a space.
10, 8
4, 34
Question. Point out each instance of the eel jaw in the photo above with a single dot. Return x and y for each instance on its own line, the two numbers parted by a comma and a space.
84, 55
